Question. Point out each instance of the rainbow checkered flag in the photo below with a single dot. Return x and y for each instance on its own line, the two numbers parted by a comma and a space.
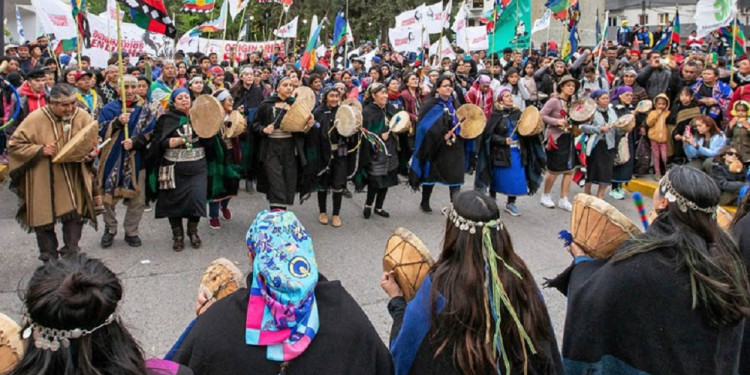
151, 15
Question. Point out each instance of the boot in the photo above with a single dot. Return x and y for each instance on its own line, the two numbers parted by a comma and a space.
178, 236
192, 231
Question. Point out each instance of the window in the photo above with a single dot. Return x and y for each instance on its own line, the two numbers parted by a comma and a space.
612, 22
477, 4
663, 18
643, 19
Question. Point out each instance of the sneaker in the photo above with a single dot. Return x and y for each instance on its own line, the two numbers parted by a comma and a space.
617, 194
226, 214
512, 209
564, 203
214, 223
546, 201
148, 208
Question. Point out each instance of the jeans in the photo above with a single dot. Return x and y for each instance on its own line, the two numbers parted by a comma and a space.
213, 208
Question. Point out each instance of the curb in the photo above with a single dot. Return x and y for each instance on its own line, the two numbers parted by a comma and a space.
647, 188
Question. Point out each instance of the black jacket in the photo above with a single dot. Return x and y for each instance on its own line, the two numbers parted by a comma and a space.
346, 342
727, 181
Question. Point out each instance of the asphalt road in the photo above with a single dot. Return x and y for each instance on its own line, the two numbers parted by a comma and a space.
160, 285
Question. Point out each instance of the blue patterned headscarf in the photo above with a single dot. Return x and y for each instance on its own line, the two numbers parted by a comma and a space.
282, 313
177, 92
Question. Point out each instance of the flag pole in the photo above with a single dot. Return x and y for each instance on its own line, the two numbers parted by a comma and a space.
735, 27
239, 33
546, 51
346, 42
120, 67
601, 42
671, 35
212, 17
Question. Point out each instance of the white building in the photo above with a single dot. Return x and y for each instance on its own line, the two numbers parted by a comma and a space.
31, 28
659, 12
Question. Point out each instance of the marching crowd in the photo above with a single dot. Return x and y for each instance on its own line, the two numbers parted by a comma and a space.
600, 119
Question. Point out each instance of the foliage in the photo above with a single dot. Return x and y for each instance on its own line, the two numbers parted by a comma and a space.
369, 19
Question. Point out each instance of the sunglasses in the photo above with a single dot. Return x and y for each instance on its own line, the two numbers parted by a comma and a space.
732, 153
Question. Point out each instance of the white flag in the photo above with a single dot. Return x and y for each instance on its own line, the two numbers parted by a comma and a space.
19, 24
713, 14
411, 18
543, 22
445, 49
289, 30
349, 35
236, 6
243, 32
459, 27
477, 39
405, 39
432, 18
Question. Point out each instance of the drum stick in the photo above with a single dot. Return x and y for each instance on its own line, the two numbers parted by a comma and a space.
638, 200
101, 146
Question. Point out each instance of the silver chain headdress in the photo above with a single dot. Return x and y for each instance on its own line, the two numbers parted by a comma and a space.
52, 339
673, 196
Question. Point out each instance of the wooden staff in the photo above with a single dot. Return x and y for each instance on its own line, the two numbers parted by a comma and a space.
121, 68
735, 27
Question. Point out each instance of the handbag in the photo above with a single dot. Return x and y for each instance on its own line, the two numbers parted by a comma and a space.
623, 151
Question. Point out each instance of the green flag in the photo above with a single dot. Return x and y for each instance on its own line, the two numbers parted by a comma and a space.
513, 27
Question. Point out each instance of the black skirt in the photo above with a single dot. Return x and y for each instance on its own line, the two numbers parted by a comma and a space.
600, 164
188, 198
561, 158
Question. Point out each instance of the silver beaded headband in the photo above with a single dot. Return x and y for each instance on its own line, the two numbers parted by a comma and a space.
52, 338
673, 196
463, 223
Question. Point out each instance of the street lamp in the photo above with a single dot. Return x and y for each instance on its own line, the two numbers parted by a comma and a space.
304, 21
250, 28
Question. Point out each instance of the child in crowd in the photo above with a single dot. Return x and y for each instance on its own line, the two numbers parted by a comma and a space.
739, 130
657, 132
683, 112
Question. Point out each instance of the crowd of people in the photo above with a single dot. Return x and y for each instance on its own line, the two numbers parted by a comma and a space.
479, 310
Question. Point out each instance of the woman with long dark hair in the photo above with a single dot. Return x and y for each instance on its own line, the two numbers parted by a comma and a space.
670, 301
439, 155
741, 233
705, 144
478, 311
73, 326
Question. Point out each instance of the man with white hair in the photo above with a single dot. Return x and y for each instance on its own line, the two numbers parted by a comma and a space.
122, 175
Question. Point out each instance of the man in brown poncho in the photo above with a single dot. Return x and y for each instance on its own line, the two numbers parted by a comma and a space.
48, 192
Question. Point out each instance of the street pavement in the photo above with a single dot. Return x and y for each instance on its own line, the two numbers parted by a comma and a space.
161, 285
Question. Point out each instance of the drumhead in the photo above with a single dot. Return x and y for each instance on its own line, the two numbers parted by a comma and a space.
79, 146
582, 110
346, 121
400, 122
239, 125
598, 227
529, 122
409, 259
472, 120
11, 346
206, 116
